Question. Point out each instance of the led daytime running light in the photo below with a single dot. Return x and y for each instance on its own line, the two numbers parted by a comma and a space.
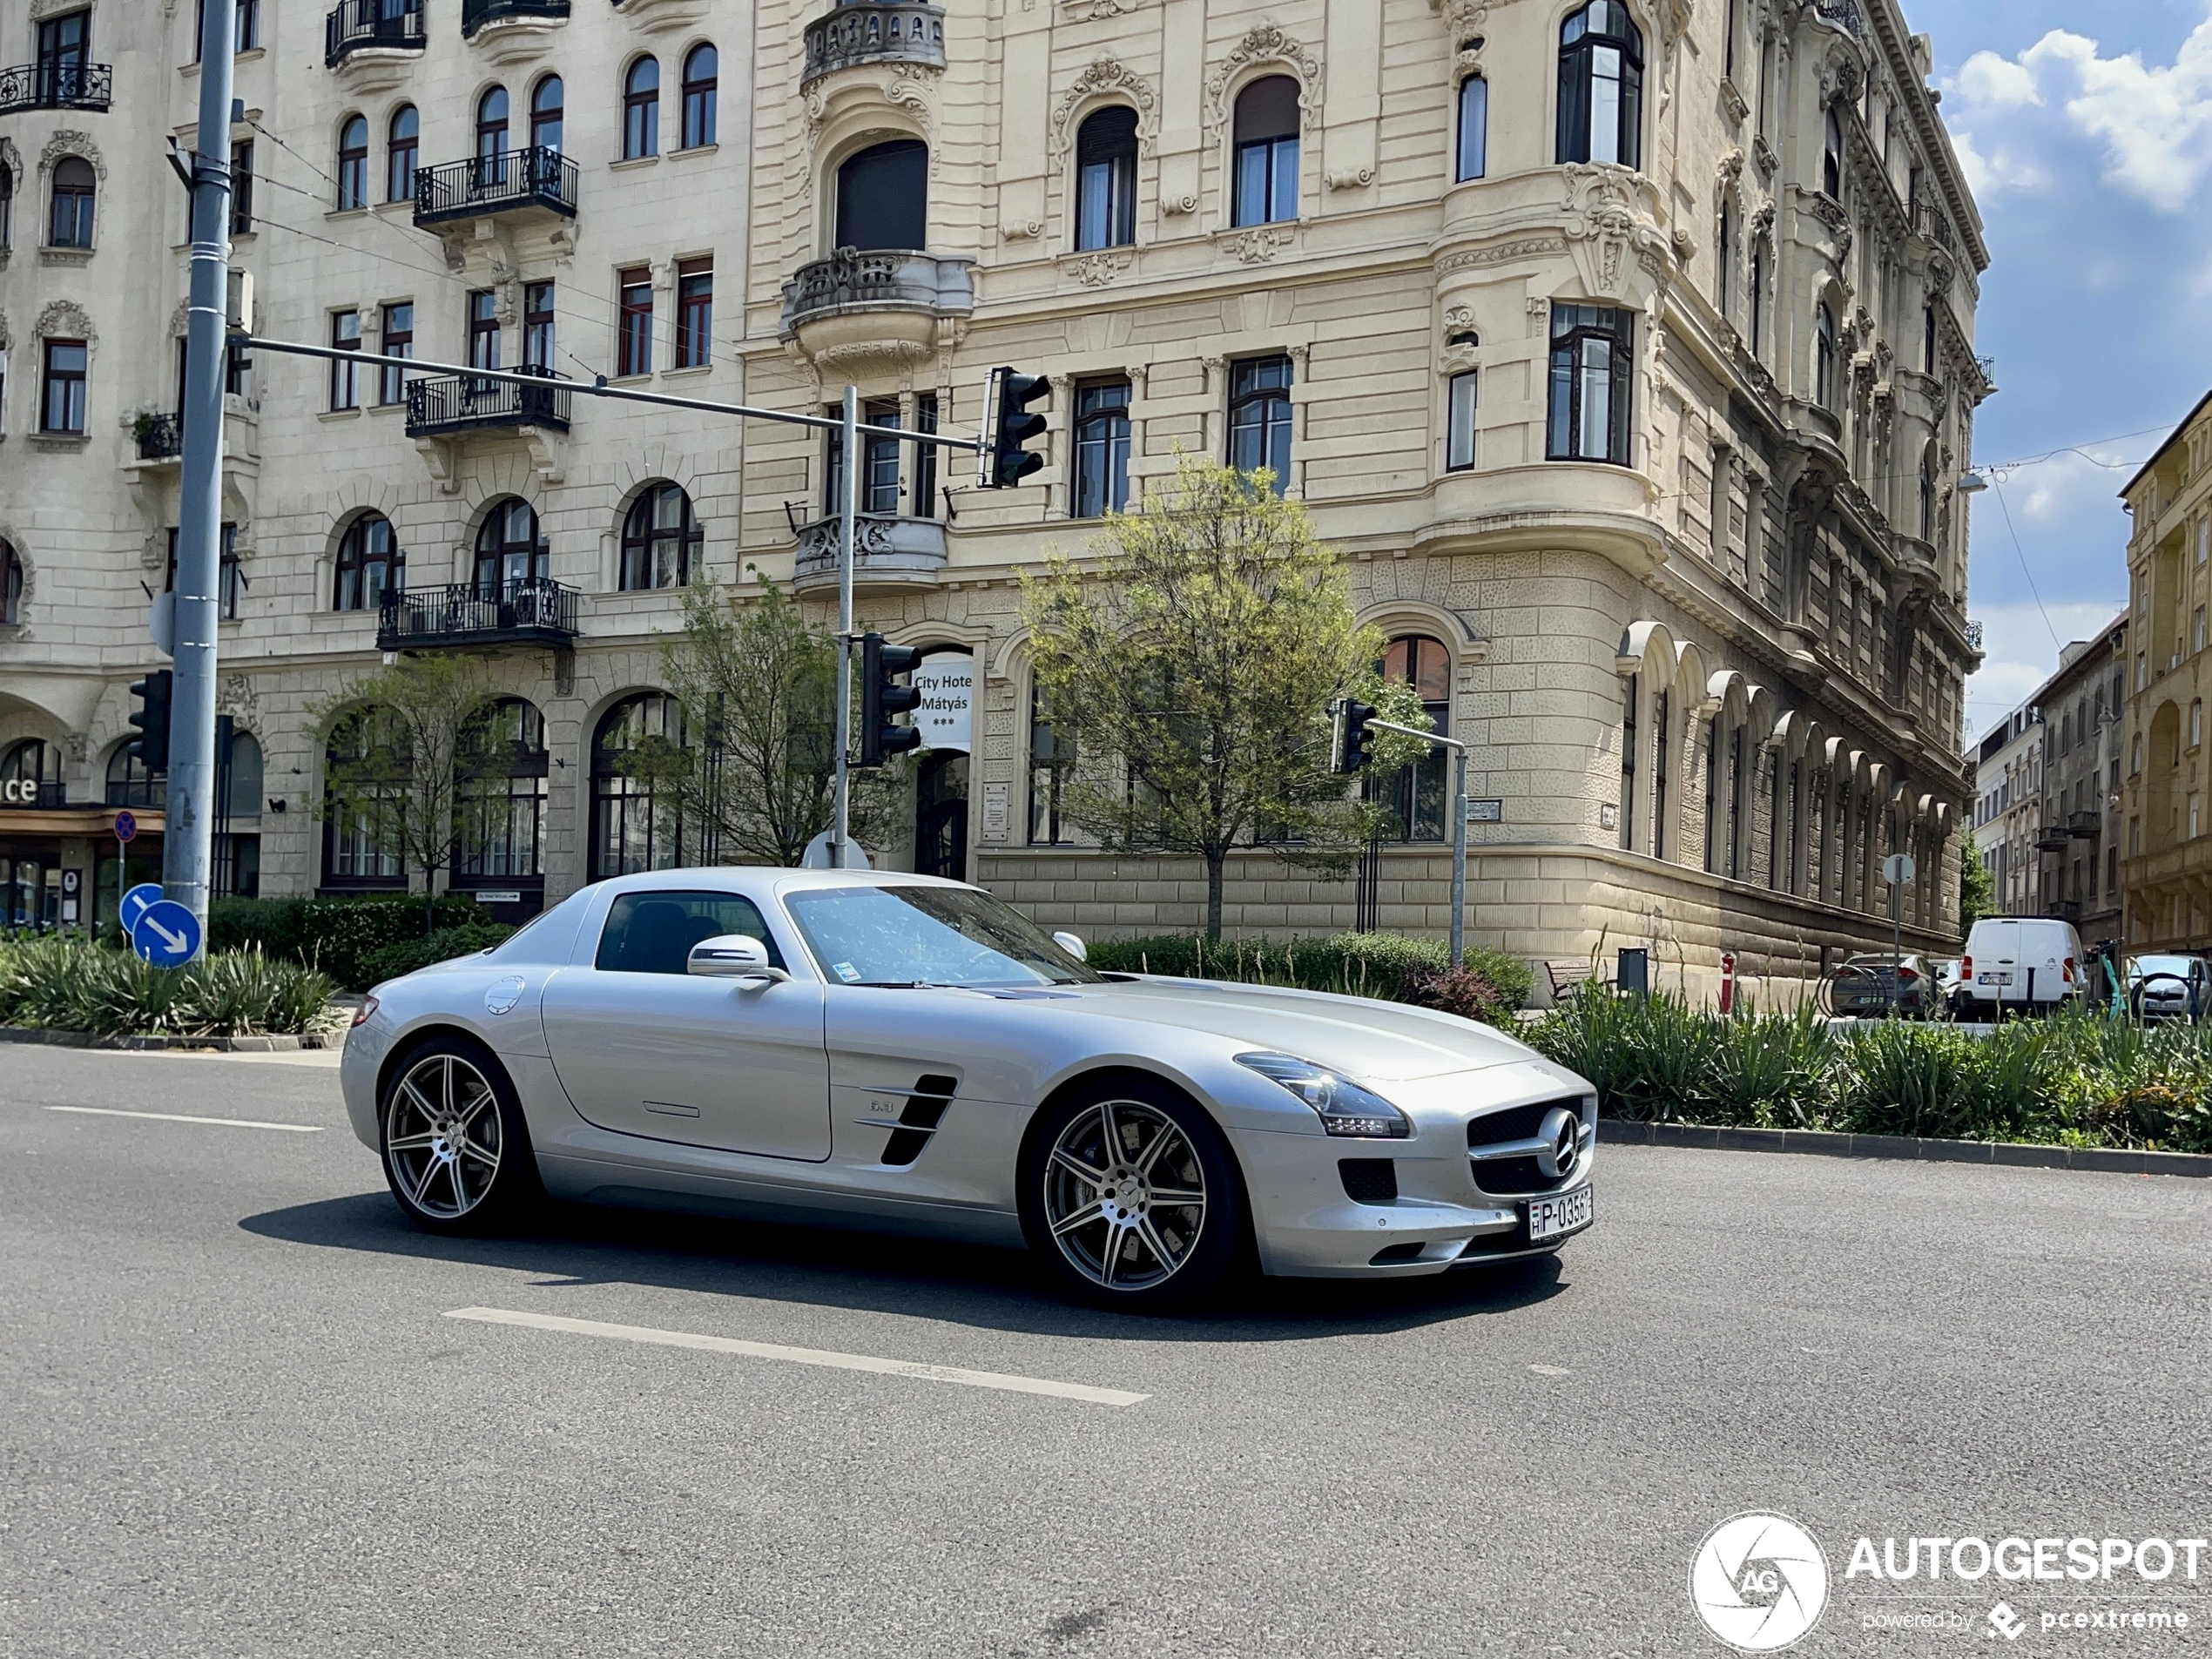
1342, 1106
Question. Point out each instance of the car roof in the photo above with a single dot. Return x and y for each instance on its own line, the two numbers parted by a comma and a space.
753, 877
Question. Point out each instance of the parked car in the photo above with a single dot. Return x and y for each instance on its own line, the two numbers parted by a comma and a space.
1877, 986
906, 1054
2018, 965
2171, 987
1947, 991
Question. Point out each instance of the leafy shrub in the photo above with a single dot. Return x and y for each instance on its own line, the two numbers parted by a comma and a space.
1378, 965
337, 935
441, 946
70, 985
1457, 990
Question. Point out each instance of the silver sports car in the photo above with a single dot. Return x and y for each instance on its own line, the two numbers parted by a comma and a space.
902, 1052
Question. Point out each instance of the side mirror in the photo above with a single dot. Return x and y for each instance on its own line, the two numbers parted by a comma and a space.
733, 956
1073, 944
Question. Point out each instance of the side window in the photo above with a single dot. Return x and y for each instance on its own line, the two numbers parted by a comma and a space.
653, 933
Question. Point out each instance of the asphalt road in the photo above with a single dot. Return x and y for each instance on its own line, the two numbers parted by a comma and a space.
235, 1420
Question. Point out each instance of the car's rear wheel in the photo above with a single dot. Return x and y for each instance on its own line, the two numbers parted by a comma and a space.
1130, 1196
456, 1152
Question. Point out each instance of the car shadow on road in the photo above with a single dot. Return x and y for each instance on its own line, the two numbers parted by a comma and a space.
968, 1284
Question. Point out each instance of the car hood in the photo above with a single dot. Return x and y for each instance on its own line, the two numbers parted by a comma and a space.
1357, 1035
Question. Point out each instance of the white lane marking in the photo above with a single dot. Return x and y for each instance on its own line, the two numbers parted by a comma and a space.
1551, 1370
804, 1356
180, 1117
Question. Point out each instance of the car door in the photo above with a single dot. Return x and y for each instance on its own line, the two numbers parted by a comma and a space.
1997, 967
644, 1048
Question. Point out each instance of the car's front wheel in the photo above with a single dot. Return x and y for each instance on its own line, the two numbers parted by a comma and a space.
1130, 1196
456, 1152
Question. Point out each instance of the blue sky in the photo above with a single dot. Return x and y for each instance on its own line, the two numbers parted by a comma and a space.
2087, 131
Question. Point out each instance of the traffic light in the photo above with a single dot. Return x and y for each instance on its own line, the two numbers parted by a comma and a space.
881, 699
1010, 461
151, 716
1348, 734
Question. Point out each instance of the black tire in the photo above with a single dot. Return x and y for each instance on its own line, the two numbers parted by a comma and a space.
1166, 1141
480, 1180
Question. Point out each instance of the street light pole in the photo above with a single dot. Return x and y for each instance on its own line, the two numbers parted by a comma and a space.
185, 842
841, 824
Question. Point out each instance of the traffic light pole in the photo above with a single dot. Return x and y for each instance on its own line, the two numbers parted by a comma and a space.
1459, 829
849, 480
186, 840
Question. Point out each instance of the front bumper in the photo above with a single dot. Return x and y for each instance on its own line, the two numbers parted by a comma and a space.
1307, 1225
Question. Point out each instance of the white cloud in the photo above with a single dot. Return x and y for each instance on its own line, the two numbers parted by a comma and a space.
2154, 122
2020, 654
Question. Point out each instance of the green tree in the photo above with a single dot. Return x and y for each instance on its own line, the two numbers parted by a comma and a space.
1191, 660
399, 744
1976, 888
755, 779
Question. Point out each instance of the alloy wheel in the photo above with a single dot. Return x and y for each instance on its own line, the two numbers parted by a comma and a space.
442, 1136
1124, 1195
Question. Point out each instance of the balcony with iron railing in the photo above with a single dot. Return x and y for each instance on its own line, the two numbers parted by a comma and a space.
882, 303
857, 32
57, 86
534, 181
889, 550
372, 25
160, 437
455, 404
533, 612
475, 14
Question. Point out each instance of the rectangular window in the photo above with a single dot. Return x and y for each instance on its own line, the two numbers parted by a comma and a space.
1458, 442
1260, 418
2197, 630
483, 328
398, 340
1474, 124
1720, 505
1101, 449
229, 578
62, 408
237, 371
538, 348
242, 188
345, 335
1591, 382
1659, 709
924, 504
879, 473
694, 313
1627, 808
1052, 758
634, 337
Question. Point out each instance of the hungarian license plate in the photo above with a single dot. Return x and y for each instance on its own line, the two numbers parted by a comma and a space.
1994, 979
1569, 1212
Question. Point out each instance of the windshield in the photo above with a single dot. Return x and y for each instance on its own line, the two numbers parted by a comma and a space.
918, 935
2178, 966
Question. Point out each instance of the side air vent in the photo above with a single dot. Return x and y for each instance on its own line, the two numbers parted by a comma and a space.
1369, 1180
925, 1107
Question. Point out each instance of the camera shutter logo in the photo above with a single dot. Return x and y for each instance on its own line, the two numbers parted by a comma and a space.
1759, 1582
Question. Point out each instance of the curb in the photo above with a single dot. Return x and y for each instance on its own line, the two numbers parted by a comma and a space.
1822, 1142
267, 1044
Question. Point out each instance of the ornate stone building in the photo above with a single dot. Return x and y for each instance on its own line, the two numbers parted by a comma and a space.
1625, 350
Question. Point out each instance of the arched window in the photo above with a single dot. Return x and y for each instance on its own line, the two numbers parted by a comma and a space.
371, 564
1106, 179
11, 585
1418, 796
1600, 85
236, 849
1626, 810
75, 184
31, 774
360, 840
1824, 357
1267, 155
635, 824
660, 540
641, 110
1475, 128
545, 113
491, 134
883, 196
1052, 762
511, 550
129, 783
352, 164
244, 799
403, 150
701, 70
1832, 156
499, 784
7, 208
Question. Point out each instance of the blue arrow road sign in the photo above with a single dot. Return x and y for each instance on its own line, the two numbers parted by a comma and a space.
167, 934
136, 901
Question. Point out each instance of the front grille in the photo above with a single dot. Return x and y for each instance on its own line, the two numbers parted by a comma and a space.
1369, 1180
1514, 1177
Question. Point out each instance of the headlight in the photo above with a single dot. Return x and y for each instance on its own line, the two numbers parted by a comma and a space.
1343, 1107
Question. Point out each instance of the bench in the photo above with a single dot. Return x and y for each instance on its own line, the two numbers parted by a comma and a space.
1567, 977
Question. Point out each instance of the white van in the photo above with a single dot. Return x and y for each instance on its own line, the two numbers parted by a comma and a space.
2031, 963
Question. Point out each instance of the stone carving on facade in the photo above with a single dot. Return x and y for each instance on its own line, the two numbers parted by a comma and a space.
66, 143
65, 319
1733, 104
1503, 254
1259, 245
1762, 154
911, 87
234, 696
1098, 11
1097, 270
1941, 272
1462, 346
1349, 177
1266, 44
1023, 230
1109, 77
1607, 228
